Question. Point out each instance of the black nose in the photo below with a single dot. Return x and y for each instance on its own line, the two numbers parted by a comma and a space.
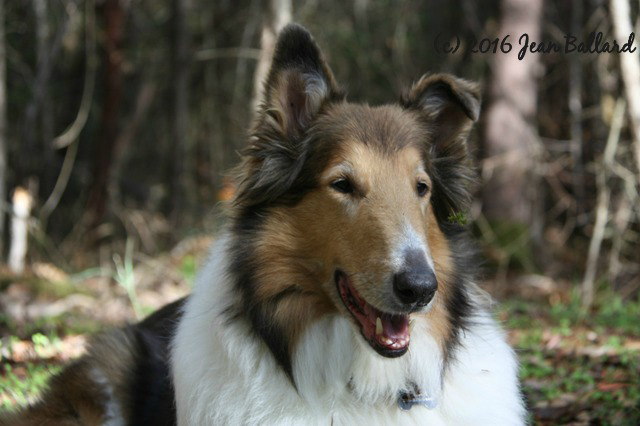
416, 283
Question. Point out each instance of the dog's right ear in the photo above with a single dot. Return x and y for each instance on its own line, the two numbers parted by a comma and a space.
299, 84
448, 106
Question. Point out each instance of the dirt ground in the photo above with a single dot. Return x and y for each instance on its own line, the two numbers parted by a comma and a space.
576, 368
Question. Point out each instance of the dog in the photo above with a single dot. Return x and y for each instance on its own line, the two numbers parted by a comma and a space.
341, 291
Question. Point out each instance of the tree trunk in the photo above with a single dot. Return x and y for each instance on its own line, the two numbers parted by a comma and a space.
214, 139
22, 203
277, 15
183, 190
510, 138
629, 68
239, 100
575, 109
43, 46
98, 193
38, 125
43, 36
3, 130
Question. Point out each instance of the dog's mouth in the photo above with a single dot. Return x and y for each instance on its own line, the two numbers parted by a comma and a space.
388, 334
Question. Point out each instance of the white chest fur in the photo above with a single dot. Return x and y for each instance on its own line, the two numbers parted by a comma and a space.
224, 375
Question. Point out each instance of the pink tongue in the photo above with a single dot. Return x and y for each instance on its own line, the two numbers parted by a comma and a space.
395, 326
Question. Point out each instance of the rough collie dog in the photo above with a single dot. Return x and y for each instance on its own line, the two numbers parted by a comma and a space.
342, 290
340, 293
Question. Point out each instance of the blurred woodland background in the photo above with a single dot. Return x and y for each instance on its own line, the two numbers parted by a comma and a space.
119, 120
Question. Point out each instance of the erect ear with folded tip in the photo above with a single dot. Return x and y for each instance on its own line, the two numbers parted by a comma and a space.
298, 84
448, 106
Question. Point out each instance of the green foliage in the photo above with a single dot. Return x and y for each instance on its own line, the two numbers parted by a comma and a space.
56, 290
126, 278
610, 312
458, 217
21, 391
189, 268
509, 243
616, 313
604, 383
568, 312
68, 323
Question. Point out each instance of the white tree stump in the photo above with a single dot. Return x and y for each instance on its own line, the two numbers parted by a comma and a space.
22, 203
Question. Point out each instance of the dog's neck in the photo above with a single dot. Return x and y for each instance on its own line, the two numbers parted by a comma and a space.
332, 359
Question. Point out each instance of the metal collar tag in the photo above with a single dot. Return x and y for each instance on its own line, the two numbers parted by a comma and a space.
406, 400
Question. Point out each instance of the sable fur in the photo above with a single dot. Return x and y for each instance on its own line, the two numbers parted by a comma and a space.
281, 166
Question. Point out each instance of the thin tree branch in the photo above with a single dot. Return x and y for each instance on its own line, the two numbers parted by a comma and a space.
69, 138
575, 108
228, 52
45, 68
602, 209
73, 131
3, 127
61, 184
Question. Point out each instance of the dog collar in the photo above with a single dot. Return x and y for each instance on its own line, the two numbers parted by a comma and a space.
406, 400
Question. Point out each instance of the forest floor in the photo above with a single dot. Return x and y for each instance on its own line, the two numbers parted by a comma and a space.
575, 369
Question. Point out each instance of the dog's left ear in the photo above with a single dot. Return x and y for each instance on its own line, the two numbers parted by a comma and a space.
298, 86
448, 106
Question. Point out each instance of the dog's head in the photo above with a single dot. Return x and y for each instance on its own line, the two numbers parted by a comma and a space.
346, 208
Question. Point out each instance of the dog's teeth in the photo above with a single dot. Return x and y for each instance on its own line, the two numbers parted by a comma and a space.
387, 341
378, 326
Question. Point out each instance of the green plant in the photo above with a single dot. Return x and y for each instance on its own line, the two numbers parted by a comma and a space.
22, 385
458, 217
125, 276
188, 268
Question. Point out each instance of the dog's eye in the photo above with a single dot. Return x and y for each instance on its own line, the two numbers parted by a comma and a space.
422, 189
342, 185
